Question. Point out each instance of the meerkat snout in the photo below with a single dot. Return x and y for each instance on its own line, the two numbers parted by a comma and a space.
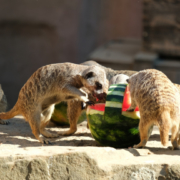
95, 79
98, 85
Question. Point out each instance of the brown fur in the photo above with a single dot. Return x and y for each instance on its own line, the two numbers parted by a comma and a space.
158, 101
119, 78
75, 107
50, 85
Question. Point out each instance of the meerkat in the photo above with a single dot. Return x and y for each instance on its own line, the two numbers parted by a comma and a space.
75, 109
158, 101
119, 78
50, 85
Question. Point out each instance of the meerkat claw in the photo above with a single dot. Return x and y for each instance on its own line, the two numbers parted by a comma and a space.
83, 105
47, 142
91, 103
4, 122
138, 147
173, 148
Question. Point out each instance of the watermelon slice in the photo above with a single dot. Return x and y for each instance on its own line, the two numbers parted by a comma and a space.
110, 124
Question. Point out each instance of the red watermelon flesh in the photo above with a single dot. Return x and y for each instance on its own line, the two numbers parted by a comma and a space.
126, 102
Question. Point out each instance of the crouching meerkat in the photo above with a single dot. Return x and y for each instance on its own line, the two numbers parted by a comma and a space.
158, 101
50, 85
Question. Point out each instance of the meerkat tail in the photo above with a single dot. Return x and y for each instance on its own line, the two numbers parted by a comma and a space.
10, 114
165, 124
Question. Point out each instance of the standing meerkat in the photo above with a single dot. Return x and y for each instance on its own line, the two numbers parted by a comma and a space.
158, 101
50, 85
75, 109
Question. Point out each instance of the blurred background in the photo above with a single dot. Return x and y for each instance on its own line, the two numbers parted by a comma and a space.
121, 34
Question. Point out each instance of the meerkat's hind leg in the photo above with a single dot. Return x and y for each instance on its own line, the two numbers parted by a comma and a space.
144, 136
45, 117
34, 121
165, 122
174, 136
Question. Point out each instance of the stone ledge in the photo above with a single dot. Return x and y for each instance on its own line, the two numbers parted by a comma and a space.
79, 157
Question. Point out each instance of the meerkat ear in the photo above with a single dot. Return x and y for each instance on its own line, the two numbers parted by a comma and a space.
127, 80
89, 75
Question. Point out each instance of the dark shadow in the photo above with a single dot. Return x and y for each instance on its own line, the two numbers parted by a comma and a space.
153, 150
163, 151
133, 151
18, 132
156, 137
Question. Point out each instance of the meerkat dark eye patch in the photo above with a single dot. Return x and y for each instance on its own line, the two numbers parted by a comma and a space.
89, 75
98, 86
127, 80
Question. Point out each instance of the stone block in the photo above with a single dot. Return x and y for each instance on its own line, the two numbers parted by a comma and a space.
118, 54
170, 68
80, 157
161, 26
144, 60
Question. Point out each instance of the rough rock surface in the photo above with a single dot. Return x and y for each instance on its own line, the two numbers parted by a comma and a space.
79, 157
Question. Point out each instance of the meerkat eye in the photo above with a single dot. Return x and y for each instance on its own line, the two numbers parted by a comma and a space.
89, 75
127, 80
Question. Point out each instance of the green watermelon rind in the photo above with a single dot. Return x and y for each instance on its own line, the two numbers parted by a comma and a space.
60, 115
114, 134
114, 127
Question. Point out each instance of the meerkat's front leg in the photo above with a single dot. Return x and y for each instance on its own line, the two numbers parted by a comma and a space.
74, 111
76, 93
143, 130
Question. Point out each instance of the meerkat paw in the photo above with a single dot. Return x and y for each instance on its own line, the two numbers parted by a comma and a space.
84, 98
90, 103
49, 134
43, 140
174, 146
138, 146
67, 133
4, 122
83, 105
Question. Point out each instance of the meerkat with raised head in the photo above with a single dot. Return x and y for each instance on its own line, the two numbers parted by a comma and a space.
50, 85
158, 101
